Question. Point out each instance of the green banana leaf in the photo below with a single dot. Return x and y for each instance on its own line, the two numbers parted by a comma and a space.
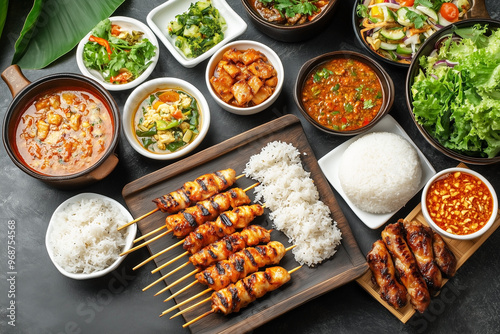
54, 27
4, 5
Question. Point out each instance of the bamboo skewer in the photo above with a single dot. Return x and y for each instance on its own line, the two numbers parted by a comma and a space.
137, 219
146, 243
211, 311
180, 291
186, 301
165, 276
169, 262
176, 282
157, 254
150, 233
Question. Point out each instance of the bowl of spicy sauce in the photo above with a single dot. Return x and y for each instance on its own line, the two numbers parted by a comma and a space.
343, 92
61, 129
459, 203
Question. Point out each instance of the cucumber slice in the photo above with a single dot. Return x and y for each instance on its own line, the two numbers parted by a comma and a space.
401, 14
442, 21
388, 46
429, 12
404, 50
393, 33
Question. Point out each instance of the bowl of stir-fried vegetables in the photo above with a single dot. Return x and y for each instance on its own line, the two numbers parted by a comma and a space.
290, 20
394, 30
120, 53
452, 91
165, 118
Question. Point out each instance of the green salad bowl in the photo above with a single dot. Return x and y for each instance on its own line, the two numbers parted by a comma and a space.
414, 70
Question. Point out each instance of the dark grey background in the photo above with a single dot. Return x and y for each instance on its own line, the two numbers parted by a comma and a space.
47, 302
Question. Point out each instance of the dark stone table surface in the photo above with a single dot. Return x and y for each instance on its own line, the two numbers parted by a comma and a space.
48, 302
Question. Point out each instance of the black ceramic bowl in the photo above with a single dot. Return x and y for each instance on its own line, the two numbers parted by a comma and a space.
290, 33
25, 92
425, 50
384, 79
477, 10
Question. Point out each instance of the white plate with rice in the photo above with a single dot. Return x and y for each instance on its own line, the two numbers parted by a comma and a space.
82, 239
330, 164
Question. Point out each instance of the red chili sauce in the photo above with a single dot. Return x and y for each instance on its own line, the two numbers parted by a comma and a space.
63, 132
342, 94
459, 203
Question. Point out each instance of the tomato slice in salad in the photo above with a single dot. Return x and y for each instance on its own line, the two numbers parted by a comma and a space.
449, 11
406, 3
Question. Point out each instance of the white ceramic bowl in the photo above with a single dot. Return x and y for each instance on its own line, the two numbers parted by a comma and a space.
125, 23
273, 58
131, 233
159, 18
142, 92
474, 235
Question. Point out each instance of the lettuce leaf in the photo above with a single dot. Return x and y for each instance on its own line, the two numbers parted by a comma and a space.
460, 105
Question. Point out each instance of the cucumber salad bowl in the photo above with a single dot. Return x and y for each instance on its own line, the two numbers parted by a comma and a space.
394, 30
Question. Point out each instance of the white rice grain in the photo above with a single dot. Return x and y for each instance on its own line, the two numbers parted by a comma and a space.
293, 200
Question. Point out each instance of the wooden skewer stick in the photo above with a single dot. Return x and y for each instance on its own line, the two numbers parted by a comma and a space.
186, 301
209, 289
144, 236
146, 243
137, 219
157, 254
187, 309
180, 291
165, 276
211, 311
177, 282
169, 262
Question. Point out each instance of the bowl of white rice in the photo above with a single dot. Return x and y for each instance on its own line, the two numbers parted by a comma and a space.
82, 238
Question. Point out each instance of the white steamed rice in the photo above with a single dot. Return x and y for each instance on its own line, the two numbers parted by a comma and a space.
85, 236
290, 194
380, 172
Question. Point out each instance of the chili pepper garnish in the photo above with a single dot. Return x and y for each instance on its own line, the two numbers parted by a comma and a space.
103, 42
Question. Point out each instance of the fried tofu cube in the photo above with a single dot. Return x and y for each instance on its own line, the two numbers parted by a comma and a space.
42, 130
262, 95
250, 56
222, 86
74, 121
242, 92
232, 55
42, 104
255, 83
232, 69
244, 73
54, 119
261, 69
272, 82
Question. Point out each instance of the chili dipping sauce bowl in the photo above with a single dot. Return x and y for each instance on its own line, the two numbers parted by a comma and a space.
25, 93
458, 199
311, 67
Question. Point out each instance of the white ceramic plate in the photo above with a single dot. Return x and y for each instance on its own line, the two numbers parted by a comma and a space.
159, 18
129, 24
330, 162
131, 232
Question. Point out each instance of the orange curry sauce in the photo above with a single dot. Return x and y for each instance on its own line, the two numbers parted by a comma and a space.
63, 132
342, 94
459, 203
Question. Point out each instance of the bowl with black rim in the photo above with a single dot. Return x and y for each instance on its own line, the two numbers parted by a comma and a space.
414, 70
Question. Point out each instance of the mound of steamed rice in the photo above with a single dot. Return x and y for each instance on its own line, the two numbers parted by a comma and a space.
380, 172
85, 236
293, 200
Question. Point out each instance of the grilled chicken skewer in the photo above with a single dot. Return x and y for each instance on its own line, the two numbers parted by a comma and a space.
236, 267
225, 224
186, 221
419, 239
406, 265
191, 192
222, 249
384, 274
444, 257
245, 291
